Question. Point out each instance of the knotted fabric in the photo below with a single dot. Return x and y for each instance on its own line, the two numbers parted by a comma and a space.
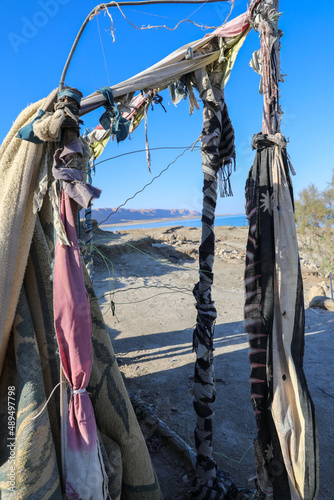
74, 185
217, 151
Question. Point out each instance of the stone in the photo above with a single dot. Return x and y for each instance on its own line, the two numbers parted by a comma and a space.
316, 291
323, 303
181, 237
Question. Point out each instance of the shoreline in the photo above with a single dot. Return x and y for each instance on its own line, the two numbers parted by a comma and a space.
167, 219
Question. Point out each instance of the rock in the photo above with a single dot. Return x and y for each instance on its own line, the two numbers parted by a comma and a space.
172, 229
170, 237
181, 237
323, 302
159, 245
316, 291
324, 286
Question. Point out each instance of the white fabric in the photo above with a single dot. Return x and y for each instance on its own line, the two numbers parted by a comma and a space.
161, 74
286, 410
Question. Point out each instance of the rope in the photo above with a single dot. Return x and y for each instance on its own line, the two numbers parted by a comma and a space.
47, 402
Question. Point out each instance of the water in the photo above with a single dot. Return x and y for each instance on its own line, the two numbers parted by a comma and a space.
221, 220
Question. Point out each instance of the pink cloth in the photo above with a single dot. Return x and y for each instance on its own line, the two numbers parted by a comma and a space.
235, 27
136, 103
73, 328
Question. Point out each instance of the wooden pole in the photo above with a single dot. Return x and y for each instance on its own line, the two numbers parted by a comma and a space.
266, 15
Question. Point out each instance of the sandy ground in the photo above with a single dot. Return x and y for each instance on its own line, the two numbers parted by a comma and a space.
152, 273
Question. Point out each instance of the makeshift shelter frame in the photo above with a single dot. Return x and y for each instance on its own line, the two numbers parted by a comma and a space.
211, 483
218, 154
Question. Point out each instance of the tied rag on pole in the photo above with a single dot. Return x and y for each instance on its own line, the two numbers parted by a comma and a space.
217, 154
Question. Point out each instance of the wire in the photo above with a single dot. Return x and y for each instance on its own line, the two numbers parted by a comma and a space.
150, 14
105, 259
104, 56
196, 148
192, 422
232, 459
197, 9
183, 289
147, 298
146, 185
163, 25
232, 2
153, 258
176, 288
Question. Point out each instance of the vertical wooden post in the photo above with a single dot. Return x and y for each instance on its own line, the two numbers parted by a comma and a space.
266, 16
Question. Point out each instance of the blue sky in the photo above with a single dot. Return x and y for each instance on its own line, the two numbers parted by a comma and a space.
36, 37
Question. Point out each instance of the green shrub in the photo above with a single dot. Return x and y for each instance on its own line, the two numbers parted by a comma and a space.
314, 213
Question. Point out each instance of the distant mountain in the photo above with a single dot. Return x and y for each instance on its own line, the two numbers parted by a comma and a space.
129, 215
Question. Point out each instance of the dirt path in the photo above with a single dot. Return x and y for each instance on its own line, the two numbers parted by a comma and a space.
151, 332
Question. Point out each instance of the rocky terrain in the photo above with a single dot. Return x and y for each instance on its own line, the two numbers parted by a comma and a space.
145, 280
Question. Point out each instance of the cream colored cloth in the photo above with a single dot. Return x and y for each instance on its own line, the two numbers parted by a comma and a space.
187, 59
19, 172
286, 407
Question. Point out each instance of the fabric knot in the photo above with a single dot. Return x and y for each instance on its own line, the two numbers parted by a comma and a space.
72, 93
78, 391
73, 178
112, 119
261, 141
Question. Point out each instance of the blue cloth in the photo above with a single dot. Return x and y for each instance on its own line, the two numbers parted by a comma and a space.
26, 133
69, 93
112, 118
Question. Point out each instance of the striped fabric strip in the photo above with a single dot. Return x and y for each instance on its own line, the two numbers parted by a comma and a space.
217, 154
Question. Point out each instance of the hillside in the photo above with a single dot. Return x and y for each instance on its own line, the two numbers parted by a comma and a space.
129, 215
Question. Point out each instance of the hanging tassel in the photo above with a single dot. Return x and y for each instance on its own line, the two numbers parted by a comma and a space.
193, 103
147, 148
224, 176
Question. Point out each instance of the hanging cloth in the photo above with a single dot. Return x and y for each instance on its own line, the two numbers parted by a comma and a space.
85, 474
217, 150
286, 447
